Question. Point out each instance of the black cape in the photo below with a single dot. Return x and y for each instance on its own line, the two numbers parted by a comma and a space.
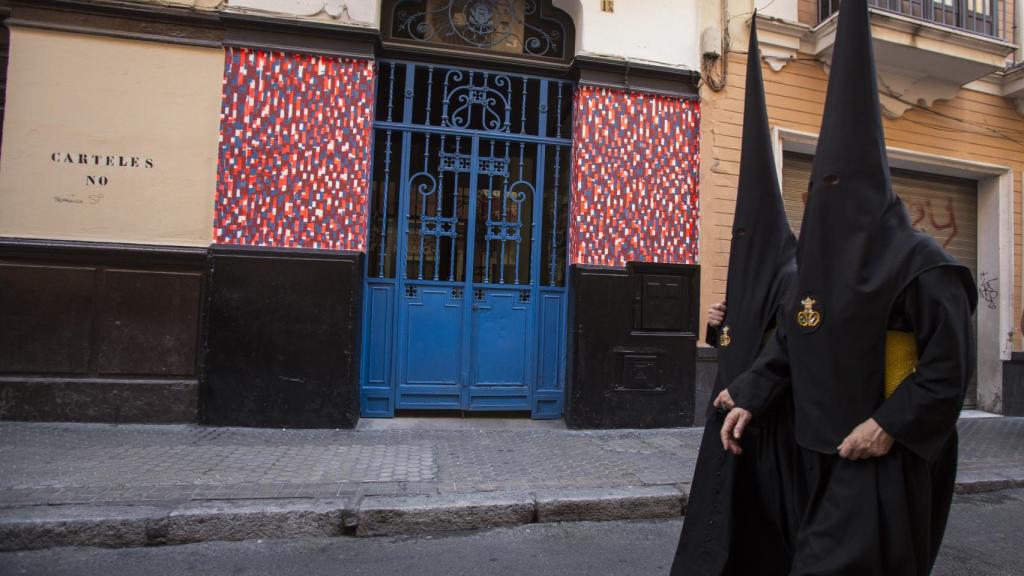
857, 252
884, 516
741, 513
862, 269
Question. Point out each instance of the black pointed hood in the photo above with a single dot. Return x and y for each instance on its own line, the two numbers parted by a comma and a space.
761, 257
857, 251
850, 191
761, 272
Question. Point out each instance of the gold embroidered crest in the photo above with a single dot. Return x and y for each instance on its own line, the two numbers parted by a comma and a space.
723, 338
808, 317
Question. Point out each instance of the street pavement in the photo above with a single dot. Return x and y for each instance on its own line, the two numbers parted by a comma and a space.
133, 485
89, 463
982, 540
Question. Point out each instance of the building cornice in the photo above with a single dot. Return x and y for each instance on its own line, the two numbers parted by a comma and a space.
622, 74
1013, 86
919, 62
191, 26
120, 20
884, 23
780, 41
213, 25
293, 35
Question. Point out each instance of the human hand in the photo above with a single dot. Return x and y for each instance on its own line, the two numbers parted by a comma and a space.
868, 440
732, 429
724, 401
716, 314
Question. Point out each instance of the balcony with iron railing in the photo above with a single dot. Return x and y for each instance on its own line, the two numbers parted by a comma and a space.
925, 50
983, 17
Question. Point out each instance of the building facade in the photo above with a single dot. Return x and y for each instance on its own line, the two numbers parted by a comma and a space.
952, 91
305, 212
270, 213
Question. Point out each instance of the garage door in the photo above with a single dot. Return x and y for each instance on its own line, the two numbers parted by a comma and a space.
945, 208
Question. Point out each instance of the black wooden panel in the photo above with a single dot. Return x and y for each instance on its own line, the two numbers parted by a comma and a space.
282, 338
662, 303
664, 297
99, 332
46, 315
149, 323
625, 371
98, 400
1013, 385
707, 371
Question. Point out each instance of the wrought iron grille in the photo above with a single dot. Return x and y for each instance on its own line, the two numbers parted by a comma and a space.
985, 17
531, 28
471, 175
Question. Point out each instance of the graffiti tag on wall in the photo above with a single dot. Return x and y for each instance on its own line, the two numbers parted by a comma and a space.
938, 221
988, 290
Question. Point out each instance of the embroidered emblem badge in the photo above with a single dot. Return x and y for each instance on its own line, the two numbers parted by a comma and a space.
808, 317
723, 338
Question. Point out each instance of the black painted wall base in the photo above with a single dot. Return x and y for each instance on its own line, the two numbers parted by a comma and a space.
282, 338
707, 371
112, 401
99, 332
1013, 385
633, 346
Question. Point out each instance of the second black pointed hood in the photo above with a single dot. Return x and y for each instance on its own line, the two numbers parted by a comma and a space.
857, 252
761, 257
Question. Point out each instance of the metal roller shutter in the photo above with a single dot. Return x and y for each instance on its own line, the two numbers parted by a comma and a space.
945, 208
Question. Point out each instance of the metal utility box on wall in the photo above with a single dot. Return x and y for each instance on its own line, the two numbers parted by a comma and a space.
632, 360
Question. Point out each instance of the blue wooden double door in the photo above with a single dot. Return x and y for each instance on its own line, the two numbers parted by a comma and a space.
465, 302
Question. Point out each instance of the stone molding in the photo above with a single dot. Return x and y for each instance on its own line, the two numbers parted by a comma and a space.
918, 62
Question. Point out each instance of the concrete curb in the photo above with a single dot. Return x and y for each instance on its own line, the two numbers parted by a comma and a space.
988, 485
393, 515
117, 526
38, 527
631, 503
253, 520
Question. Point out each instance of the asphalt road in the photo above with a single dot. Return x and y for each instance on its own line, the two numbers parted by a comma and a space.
983, 540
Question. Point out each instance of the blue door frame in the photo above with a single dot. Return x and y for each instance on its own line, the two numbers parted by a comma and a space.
465, 301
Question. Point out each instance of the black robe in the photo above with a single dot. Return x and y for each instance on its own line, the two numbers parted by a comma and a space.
742, 511
885, 516
863, 269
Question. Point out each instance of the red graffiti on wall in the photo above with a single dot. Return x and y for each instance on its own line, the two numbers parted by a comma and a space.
919, 211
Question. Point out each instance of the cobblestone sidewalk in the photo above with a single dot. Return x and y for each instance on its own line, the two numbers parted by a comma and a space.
79, 463
92, 464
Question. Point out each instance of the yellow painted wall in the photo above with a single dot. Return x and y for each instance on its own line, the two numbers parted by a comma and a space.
796, 97
144, 116
808, 11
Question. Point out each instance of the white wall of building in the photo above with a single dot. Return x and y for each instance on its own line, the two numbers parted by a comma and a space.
663, 32
349, 12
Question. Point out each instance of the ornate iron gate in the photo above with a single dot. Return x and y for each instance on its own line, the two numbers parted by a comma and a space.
465, 292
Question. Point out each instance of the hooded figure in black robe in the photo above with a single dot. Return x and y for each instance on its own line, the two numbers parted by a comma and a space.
880, 468
742, 513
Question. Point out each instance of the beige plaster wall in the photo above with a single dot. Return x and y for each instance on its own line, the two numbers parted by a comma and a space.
144, 117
